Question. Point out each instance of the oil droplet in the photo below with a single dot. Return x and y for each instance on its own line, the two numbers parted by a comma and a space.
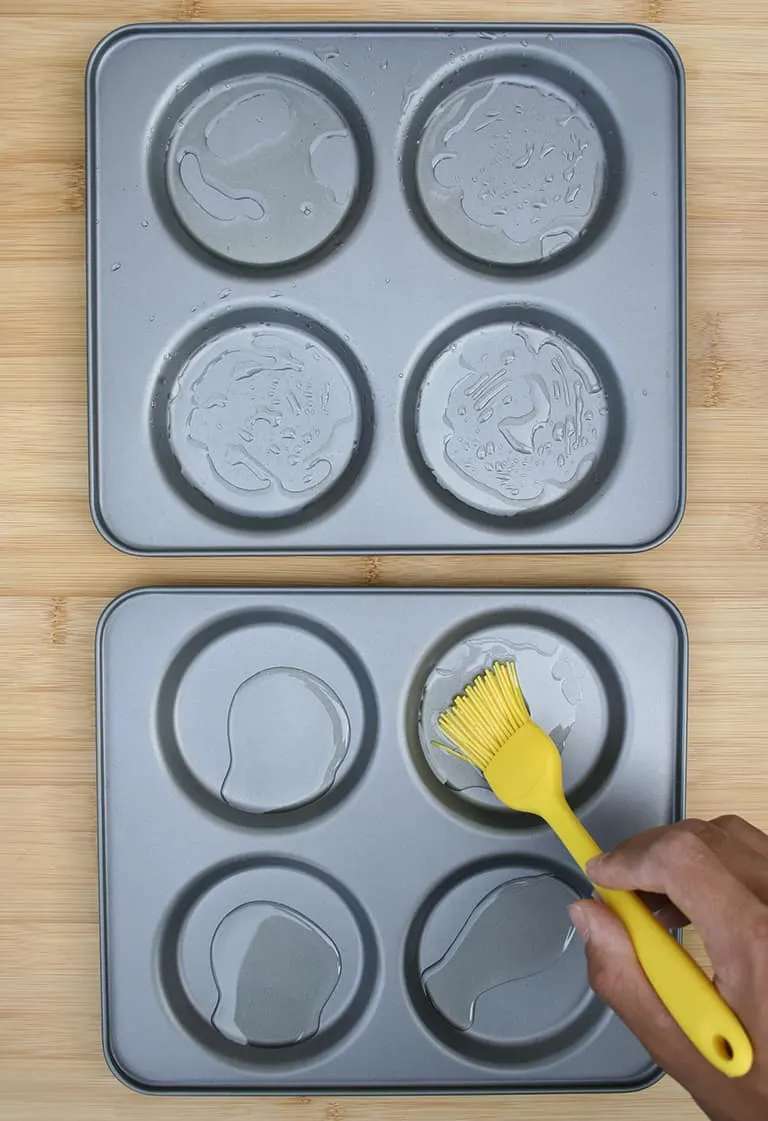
409, 97
518, 930
144, 224
288, 734
275, 971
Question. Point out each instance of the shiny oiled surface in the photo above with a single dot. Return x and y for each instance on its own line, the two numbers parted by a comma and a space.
56, 573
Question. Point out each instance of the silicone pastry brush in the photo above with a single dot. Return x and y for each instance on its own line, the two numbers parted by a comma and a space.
491, 728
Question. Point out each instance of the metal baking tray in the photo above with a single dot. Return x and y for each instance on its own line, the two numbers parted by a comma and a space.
386, 288
300, 893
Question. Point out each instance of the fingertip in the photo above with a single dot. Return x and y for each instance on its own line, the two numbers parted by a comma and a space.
581, 919
599, 929
613, 969
597, 920
596, 865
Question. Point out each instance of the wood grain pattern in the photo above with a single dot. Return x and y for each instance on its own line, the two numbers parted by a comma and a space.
56, 573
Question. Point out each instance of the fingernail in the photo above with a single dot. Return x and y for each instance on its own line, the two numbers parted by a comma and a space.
581, 919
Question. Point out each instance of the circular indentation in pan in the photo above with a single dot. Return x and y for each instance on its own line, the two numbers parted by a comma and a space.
263, 418
570, 685
266, 718
513, 161
493, 967
268, 962
513, 413
267, 161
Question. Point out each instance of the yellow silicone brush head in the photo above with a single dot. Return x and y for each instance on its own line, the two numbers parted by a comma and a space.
486, 715
491, 728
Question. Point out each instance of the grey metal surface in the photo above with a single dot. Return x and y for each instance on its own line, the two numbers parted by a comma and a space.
386, 288
295, 897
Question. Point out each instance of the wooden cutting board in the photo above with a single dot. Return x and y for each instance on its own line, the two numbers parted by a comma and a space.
56, 573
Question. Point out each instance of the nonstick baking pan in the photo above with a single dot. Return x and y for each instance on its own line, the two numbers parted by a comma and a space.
301, 893
386, 288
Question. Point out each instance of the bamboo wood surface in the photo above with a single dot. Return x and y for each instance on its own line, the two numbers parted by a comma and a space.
56, 573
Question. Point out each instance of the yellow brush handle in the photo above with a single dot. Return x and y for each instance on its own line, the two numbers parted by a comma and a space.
685, 990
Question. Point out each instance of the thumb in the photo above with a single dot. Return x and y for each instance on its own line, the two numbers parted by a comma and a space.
617, 977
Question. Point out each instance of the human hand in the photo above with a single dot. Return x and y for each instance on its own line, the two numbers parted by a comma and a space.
714, 875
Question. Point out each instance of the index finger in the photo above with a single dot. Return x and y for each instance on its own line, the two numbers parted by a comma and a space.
677, 862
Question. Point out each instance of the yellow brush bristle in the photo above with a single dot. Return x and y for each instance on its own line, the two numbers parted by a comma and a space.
486, 714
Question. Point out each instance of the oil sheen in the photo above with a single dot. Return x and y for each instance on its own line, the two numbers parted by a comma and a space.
275, 971
518, 930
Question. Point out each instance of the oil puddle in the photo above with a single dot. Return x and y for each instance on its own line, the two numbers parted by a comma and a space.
331, 166
510, 171
262, 170
288, 734
561, 688
275, 972
263, 420
248, 122
215, 199
511, 418
518, 930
